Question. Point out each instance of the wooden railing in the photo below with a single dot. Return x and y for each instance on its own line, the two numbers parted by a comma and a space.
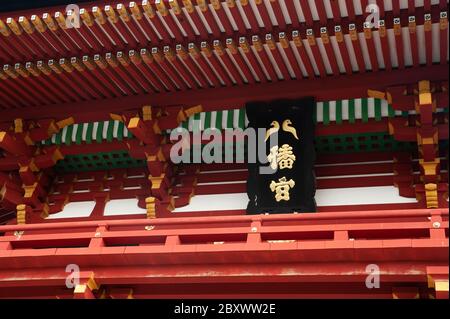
267, 238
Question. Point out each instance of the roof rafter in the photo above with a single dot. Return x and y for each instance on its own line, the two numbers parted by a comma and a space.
353, 86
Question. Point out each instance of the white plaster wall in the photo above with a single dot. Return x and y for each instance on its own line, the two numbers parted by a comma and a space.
324, 197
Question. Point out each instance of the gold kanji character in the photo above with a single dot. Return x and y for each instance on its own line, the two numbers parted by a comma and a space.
282, 188
282, 157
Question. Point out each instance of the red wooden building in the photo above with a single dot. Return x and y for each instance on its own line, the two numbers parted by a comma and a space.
86, 177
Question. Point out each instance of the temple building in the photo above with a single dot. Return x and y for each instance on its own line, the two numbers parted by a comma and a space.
93, 205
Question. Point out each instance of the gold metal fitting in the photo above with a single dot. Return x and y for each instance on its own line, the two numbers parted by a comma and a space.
50, 22
148, 9
61, 20
100, 61
282, 38
257, 43
193, 50
32, 69
338, 33
424, 87
427, 25
26, 25
135, 11
20, 69
206, 49
135, 57
412, 24
181, 51
146, 56
123, 58
59, 67
231, 45
4, 29
10, 71
310, 36
123, 12
161, 7
217, 4
98, 14
398, 26
18, 125
111, 14
66, 66
203, 5
3, 76
89, 62
38, 24
14, 26
382, 28
175, 7
270, 42
157, 55
218, 47
189, 6
231, 3
77, 64
112, 60
443, 21
168, 53
296, 38
86, 17
243, 43
147, 113
44, 68
324, 35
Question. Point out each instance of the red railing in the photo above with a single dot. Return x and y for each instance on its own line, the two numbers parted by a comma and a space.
384, 235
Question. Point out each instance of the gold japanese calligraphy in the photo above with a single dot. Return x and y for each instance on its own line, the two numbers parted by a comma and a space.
282, 157
282, 188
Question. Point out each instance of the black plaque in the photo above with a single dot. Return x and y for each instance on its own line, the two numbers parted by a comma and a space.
291, 186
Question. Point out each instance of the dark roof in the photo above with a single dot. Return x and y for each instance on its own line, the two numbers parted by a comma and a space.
8, 5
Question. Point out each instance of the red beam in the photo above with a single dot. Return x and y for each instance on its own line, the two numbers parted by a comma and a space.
343, 87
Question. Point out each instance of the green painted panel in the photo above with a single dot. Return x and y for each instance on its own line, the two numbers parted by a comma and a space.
99, 135
69, 135
338, 112
242, 117
110, 132
351, 111
368, 142
90, 129
207, 124
120, 128
79, 136
219, 120
98, 161
58, 138
230, 119
326, 113
378, 114
365, 110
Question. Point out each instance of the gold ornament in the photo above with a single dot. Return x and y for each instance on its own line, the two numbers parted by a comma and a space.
289, 129
275, 128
